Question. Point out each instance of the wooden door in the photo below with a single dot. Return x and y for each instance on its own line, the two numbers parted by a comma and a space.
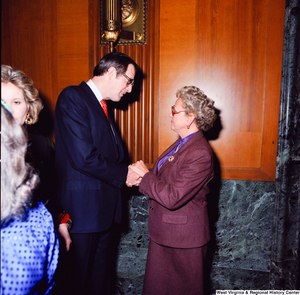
232, 50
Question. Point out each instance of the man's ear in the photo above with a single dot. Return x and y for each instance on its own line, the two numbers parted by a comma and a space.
112, 73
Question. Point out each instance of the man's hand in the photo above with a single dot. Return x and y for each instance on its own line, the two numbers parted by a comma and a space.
133, 179
63, 231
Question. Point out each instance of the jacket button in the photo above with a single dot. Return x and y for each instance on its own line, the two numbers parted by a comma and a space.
151, 208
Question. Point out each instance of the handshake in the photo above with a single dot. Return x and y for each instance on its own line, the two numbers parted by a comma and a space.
135, 174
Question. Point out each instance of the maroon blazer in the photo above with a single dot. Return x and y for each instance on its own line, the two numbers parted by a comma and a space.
177, 207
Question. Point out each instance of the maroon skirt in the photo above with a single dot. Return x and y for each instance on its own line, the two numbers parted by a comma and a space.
173, 271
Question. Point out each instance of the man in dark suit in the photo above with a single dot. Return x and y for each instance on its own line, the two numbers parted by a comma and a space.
89, 170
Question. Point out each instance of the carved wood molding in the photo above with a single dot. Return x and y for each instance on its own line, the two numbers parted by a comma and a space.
137, 113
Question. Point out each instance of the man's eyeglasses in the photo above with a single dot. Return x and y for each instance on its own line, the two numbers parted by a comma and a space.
174, 112
129, 81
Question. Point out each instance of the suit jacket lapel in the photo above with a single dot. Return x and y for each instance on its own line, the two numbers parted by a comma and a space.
182, 150
117, 139
88, 93
168, 150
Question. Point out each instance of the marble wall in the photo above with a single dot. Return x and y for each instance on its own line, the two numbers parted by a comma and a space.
285, 239
241, 259
255, 225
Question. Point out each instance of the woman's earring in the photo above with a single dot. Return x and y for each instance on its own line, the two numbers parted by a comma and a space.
28, 119
188, 127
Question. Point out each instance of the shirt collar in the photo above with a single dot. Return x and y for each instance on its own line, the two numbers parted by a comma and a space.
184, 140
95, 90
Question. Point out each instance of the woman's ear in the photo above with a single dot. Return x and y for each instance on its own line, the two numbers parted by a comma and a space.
191, 118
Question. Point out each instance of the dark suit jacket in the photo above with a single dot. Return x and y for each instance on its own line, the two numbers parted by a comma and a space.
89, 173
177, 208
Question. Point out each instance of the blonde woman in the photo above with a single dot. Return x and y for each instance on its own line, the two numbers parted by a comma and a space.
20, 94
22, 98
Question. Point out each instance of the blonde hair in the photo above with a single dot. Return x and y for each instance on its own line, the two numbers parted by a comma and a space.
17, 178
195, 101
31, 94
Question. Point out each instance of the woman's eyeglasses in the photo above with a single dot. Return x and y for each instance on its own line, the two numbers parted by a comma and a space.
174, 112
129, 81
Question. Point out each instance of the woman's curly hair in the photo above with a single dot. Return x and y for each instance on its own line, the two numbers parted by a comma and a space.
18, 179
195, 101
31, 94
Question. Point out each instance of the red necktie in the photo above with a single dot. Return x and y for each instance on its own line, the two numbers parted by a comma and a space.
104, 107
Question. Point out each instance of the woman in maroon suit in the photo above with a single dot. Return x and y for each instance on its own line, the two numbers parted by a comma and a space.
177, 186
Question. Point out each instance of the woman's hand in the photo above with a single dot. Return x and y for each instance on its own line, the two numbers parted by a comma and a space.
63, 231
139, 168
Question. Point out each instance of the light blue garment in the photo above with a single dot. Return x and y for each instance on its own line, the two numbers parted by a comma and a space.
29, 254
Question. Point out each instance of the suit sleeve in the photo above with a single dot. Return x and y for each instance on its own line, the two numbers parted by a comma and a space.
176, 186
73, 124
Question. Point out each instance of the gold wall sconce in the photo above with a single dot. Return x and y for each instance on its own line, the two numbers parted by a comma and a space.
123, 22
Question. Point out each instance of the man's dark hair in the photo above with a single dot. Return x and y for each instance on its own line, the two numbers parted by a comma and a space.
118, 60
